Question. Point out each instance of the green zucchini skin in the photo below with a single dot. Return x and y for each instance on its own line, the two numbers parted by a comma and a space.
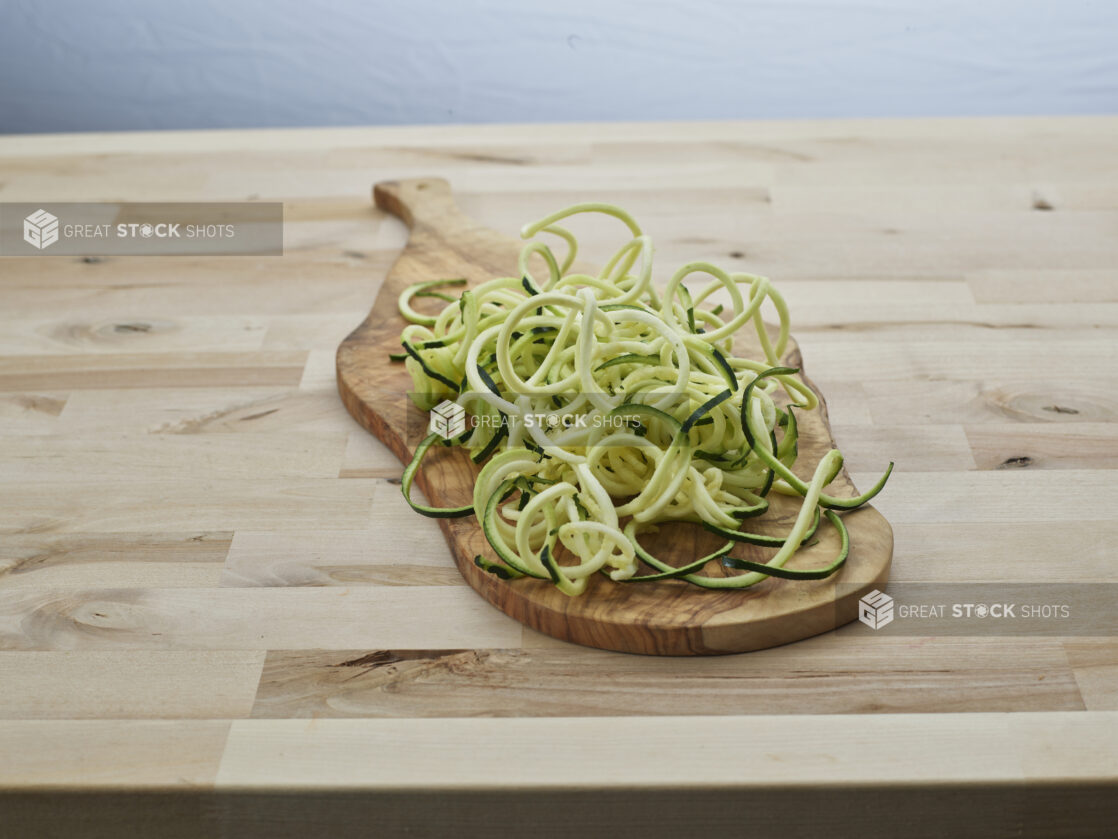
510, 346
408, 479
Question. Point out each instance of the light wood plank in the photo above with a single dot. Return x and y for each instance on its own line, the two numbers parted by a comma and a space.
509, 211
183, 369
847, 404
263, 286
215, 285
905, 244
1007, 496
95, 684
138, 560
31, 413
246, 619
930, 197
737, 752
978, 552
215, 333
1000, 399
1094, 662
209, 503
110, 754
909, 675
307, 332
1093, 360
320, 372
1069, 747
253, 410
1082, 445
344, 558
1058, 284
367, 457
261, 456
917, 448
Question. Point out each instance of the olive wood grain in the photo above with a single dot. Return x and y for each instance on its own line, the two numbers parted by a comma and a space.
663, 618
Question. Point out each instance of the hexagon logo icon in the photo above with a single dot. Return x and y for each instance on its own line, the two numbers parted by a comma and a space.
875, 610
40, 229
448, 419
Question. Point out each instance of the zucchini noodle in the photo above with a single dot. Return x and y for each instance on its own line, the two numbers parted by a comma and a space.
602, 409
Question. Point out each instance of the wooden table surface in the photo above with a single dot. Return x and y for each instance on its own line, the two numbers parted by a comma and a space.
211, 590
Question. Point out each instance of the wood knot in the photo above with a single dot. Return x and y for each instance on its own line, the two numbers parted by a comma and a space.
377, 658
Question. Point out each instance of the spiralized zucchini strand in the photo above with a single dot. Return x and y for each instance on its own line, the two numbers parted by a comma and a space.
602, 409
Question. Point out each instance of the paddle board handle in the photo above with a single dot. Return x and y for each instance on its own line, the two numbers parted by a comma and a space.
417, 201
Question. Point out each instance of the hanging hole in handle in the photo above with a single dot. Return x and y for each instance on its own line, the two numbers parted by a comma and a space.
422, 185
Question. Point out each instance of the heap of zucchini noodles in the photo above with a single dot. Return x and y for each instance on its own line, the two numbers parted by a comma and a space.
602, 408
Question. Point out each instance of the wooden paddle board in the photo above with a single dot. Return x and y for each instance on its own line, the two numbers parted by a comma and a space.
661, 618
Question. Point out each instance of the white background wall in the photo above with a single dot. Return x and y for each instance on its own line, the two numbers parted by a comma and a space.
68, 65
